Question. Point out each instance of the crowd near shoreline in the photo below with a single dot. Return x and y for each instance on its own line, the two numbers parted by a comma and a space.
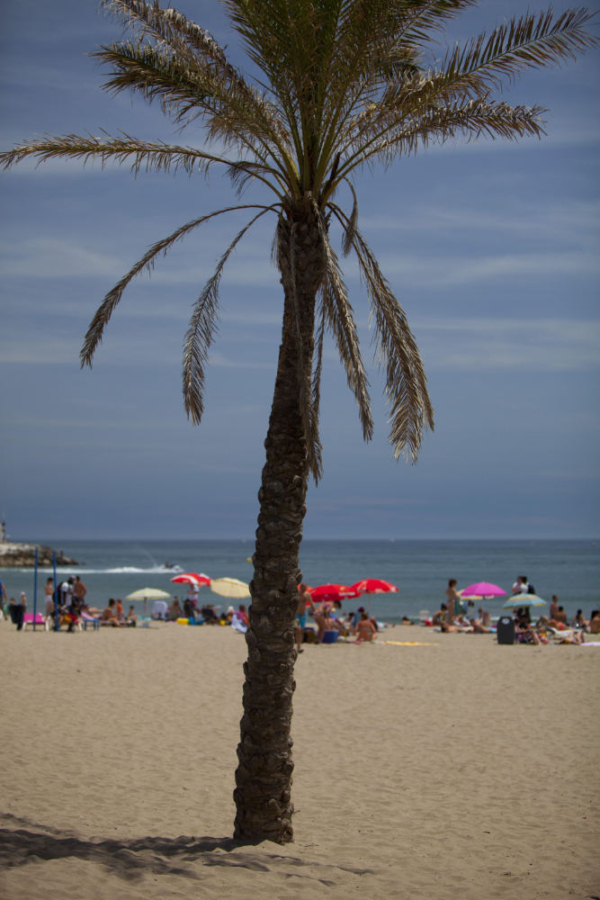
66, 607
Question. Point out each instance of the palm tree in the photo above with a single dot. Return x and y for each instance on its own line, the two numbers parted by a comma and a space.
341, 84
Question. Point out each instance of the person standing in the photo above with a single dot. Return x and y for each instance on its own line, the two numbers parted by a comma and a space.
17, 610
520, 586
454, 599
79, 589
49, 596
304, 600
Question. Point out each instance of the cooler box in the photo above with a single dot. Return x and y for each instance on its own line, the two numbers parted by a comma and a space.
506, 630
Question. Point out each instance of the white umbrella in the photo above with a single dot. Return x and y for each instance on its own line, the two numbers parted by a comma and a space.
148, 594
230, 587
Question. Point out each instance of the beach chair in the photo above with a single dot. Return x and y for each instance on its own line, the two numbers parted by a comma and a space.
39, 620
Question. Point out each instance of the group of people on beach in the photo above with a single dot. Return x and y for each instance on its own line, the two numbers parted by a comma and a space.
206, 614
68, 601
455, 616
329, 618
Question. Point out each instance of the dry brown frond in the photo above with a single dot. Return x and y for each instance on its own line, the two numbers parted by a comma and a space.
105, 310
201, 328
397, 353
339, 318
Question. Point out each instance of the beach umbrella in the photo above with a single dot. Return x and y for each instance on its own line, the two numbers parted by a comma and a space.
230, 587
328, 593
518, 600
197, 579
373, 586
482, 590
148, 594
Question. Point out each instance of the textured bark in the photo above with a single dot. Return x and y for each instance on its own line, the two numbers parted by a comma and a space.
264, 774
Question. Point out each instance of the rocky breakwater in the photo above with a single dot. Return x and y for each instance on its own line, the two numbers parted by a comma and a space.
22, 556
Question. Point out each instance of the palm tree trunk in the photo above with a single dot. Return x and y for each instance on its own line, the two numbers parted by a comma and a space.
264, 774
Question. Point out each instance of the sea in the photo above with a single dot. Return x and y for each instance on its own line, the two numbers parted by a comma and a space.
420, 569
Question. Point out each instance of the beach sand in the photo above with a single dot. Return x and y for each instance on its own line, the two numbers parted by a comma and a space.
456, 769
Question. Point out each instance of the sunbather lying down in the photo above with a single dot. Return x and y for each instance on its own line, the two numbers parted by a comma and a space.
569, 637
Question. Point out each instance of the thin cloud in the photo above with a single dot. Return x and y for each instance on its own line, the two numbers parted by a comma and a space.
494, 343
53, 258
446, 271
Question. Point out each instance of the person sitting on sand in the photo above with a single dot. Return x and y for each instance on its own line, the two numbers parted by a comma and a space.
485, 617
525, 634
109, 615
595, 622
406, 620
579, 621
132, 618
365, 630
561, 616
175, 610
478, 626
440, 615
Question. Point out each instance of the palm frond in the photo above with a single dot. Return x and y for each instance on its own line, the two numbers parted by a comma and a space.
471, 120
156, 156
525, 43
201, 329
397, 353
171, 27
349, 232
318, 358
104, 312
339, 318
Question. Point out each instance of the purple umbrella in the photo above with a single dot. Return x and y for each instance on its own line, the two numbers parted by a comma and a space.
483, 590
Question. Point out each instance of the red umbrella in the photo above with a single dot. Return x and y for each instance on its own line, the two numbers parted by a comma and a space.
329, 592
373, 586
196, 578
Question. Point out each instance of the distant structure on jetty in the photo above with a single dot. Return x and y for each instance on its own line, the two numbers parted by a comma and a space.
22, 556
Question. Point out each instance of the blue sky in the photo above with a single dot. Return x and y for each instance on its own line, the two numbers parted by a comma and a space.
492, 249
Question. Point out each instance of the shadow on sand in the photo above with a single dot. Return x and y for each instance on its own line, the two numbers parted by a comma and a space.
24, 842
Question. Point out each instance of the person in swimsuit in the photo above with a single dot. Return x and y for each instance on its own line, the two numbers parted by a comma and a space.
304, 599
365, 630
454, 599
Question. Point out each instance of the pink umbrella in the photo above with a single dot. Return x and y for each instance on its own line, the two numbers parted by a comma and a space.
483, 590
374, 586
195, 578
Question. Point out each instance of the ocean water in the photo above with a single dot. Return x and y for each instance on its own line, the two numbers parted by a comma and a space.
420, 569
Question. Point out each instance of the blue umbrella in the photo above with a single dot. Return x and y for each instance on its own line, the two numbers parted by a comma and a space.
518, 600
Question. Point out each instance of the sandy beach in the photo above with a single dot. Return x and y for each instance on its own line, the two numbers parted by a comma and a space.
453, 767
